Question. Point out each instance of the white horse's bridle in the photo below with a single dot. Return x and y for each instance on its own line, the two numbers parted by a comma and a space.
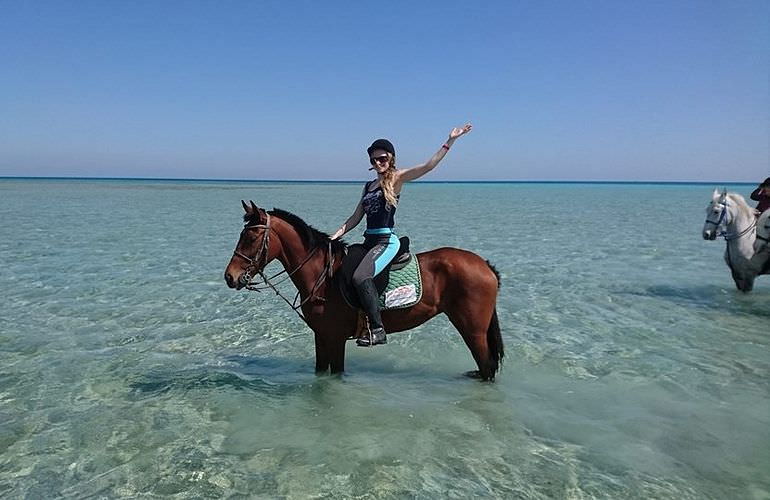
721, 219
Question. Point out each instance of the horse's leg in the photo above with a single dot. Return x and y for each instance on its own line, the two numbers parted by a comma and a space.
321, 354
744, 283
336, 347
473, 323
748, 284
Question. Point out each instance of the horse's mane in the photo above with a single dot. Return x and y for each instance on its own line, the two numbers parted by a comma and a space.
310, 236
740, 201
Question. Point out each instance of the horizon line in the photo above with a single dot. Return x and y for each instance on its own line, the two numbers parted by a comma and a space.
351, 181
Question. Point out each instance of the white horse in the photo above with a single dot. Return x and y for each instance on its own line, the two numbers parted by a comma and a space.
729, 215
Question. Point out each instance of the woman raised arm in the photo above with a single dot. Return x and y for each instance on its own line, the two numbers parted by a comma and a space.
410, 174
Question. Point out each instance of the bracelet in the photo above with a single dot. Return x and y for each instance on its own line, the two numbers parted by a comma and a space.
445, 146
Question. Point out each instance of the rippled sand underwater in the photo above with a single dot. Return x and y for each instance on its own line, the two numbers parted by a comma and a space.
127, 368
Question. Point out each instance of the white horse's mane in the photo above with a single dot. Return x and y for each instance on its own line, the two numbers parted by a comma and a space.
740, 201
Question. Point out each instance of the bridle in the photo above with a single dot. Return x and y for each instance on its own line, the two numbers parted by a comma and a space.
721, 216
248, 274
253, 269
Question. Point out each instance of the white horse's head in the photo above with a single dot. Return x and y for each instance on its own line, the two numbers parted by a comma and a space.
718, 215
763, 233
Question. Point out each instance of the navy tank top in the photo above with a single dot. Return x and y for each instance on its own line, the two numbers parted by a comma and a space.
378, 213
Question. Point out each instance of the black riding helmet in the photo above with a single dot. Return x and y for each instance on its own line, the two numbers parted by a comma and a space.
383, 144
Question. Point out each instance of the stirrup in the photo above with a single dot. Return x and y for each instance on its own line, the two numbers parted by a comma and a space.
376, 337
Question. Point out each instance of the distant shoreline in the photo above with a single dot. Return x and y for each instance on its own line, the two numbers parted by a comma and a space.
312, 181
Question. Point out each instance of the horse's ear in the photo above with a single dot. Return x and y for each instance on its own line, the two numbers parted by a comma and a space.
723, 195
259, 212
246, 207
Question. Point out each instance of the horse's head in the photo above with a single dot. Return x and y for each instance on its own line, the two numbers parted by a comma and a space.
717, 215
762, 243
252, 253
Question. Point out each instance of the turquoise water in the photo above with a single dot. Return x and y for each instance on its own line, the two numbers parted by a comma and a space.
128, 368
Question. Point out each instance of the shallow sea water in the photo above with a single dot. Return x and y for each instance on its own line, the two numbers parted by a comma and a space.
128, 369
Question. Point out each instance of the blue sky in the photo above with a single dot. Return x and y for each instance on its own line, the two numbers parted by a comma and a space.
612, 90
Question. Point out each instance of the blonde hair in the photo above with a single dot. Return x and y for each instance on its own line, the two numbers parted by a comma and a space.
388, 182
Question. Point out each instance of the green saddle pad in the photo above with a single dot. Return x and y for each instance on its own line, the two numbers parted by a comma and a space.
404, 287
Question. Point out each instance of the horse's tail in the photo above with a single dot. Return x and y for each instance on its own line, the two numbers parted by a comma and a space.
495, 344
494, 338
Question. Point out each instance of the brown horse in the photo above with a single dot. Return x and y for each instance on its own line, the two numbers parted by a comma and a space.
456, 282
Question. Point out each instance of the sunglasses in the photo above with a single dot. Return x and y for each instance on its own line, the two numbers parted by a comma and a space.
378, 159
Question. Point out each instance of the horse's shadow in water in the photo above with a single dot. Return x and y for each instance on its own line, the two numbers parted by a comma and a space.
708, 297
270, 375
288, 370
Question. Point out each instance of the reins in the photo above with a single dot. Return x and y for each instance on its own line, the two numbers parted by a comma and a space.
263, 251
740, 235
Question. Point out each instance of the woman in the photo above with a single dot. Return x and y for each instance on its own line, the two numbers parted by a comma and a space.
762, 195
378, 202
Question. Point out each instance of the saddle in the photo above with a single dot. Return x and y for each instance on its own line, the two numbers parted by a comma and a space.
354, 256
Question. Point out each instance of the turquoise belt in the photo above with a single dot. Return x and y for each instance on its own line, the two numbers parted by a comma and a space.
379, 230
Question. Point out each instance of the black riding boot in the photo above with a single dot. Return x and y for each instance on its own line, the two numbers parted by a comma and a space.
367, 294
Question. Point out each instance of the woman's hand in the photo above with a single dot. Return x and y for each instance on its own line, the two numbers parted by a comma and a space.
457, 132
